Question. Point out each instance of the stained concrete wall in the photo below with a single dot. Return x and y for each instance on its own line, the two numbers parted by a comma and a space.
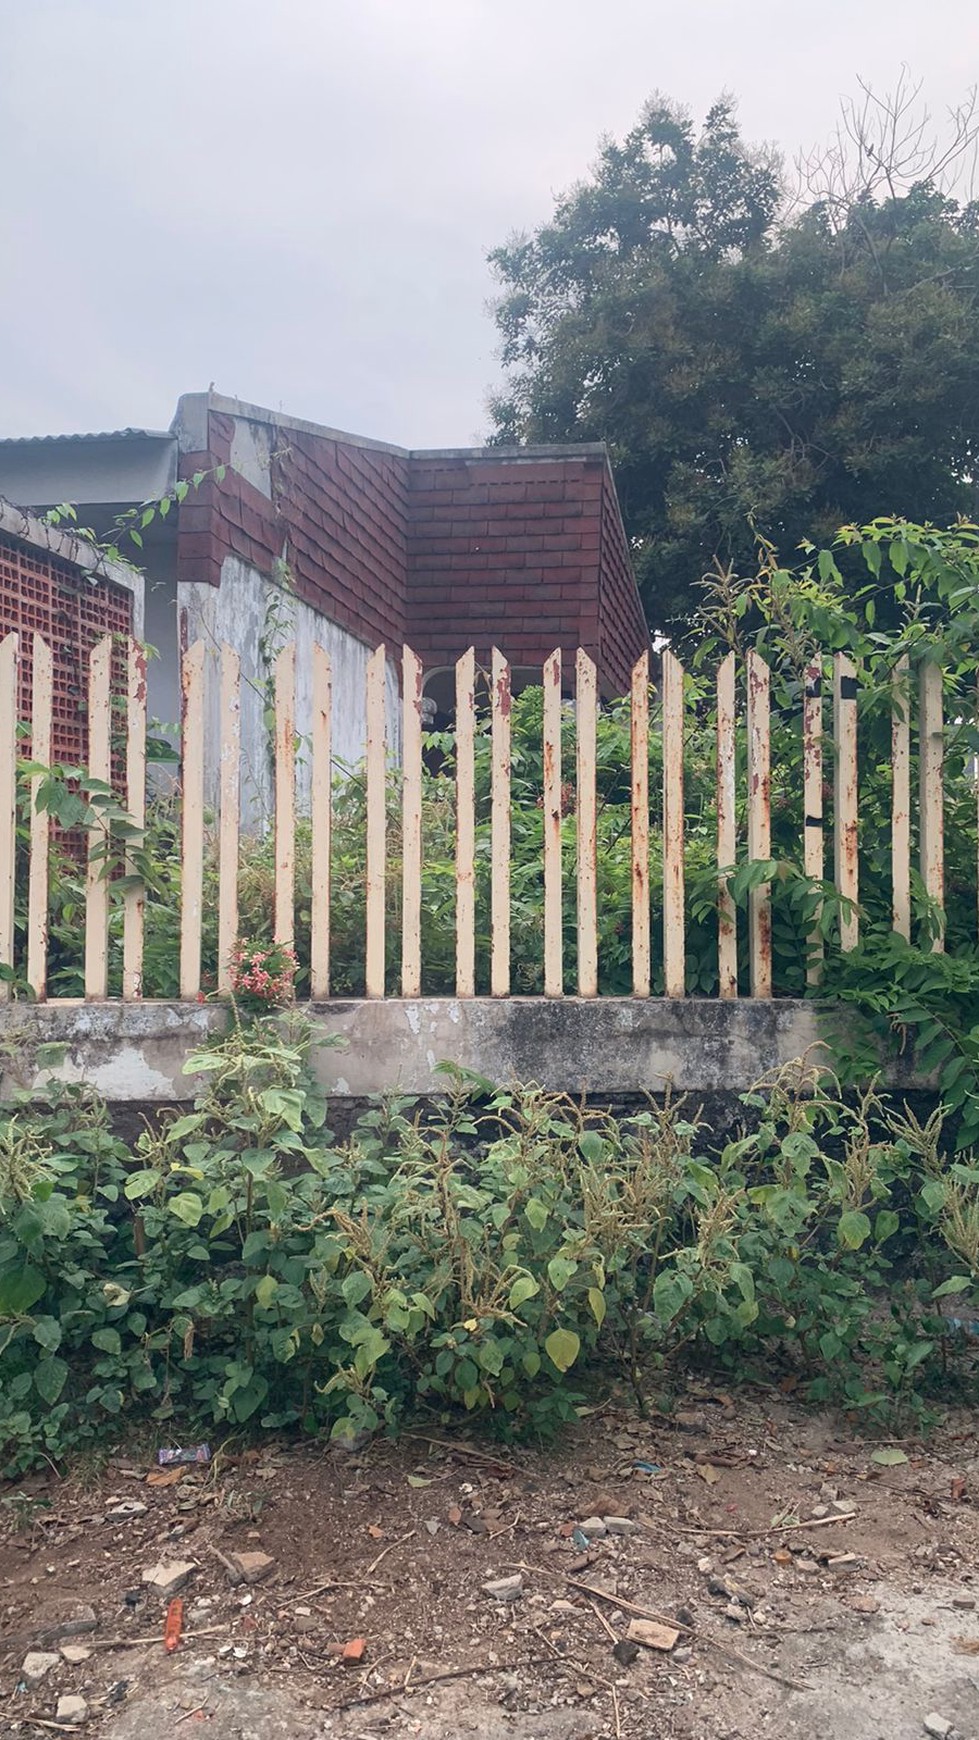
242, 611
610, 1047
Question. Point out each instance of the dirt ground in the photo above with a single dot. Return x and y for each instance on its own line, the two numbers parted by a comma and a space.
816, 1591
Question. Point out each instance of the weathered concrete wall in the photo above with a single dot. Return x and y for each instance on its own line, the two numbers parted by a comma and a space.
243, 610
611, 1047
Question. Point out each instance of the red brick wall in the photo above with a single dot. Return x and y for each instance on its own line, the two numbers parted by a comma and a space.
525, 554
40, 594
337, 517
623, 634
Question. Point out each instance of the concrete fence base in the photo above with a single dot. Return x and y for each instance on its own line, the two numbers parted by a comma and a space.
136, 1052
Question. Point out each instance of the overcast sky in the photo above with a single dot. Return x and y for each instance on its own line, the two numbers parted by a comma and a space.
294, 198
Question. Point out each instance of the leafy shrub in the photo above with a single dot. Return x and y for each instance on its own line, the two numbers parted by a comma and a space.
489, 1256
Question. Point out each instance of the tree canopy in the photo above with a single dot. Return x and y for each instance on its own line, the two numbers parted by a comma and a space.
752, 372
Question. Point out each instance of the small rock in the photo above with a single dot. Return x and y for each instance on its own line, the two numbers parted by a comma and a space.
474, 1521
734, 1611
937, 1726
433, 1526
129, 1507
964, 1603
864, 1604
652, 1635
705, 1567
37, 1663
73, 1710
685, 1617
844, 1507
505, 1588
625, 1651
353, 1651
690, 1420
683, 1654
305, 1622
594, 1527
820, 1510
563, 1607
252, 1567
620, 1525
75, 1653
169, 1576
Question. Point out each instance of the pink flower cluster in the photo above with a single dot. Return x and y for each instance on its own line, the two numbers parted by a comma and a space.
263, 974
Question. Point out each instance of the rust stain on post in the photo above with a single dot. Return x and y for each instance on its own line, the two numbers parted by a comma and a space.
192, 818
42, 695
586, 822
727, 936
674, 958
411, 824
639, 755
466, 825
901, 799
97, 868
134, 899
376, 866
285, 795
500, 829
931, 803
812, 802
230, 819
9, 647
321, 818
845, 838
759, 823
553, 918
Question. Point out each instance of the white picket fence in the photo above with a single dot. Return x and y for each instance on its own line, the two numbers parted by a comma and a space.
228, 821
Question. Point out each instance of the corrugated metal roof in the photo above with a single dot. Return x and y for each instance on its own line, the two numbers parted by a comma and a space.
98, 435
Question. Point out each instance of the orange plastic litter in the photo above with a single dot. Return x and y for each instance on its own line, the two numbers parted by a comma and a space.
174, 1626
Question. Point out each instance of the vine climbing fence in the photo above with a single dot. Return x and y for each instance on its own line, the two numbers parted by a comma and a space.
833, 836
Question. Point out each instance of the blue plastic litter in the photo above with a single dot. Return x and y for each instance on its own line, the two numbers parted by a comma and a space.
580, 1540
648, 1467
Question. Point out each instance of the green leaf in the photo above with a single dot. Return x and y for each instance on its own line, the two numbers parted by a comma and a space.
889, 1456
355, 1287
671, 1290
50, 1376
536, 1213
21, 1286
560, 1271
562, 1348
954, 1284
524, 1288
466, 1375
886, 1224
107, 1340
47, 1333
933, 1195
187, 1207
596, 1299
490, 1356
592, 1147
140, 1184
854, 1229
265, 1291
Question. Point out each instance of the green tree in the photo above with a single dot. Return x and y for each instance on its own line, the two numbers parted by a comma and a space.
753, 372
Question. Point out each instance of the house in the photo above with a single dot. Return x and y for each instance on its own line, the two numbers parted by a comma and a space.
300, 532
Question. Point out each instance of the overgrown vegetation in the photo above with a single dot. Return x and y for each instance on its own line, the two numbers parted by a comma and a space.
899, 996
501, 1256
